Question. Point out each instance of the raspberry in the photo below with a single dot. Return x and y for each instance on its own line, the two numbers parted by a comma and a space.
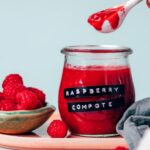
13, 79
26, 100
7, 105
57, 129
120, 148
1, 96
11, 90
40, 94
148, 3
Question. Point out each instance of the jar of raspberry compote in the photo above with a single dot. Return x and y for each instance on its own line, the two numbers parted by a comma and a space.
96, 88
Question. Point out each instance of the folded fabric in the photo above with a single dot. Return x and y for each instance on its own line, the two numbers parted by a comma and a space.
134, 122
145, 142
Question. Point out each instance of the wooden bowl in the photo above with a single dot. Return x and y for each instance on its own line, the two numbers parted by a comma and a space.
22, 121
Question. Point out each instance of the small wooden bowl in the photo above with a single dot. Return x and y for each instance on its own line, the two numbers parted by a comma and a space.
22, 121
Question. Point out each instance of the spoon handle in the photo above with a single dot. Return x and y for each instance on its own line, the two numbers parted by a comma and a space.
131, 3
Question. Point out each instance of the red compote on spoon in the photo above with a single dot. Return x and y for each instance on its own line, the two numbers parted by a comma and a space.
110, 19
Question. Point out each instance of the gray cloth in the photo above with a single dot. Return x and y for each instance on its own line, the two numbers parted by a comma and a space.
134, 122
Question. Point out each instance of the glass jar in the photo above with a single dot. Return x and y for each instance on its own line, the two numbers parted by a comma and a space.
96, 88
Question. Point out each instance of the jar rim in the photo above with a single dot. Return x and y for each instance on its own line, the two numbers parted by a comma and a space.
96, 49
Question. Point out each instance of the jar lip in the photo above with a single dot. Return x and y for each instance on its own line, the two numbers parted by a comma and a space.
96, 49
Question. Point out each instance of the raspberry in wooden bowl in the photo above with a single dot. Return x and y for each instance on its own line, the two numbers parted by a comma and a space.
23, 121
22, 108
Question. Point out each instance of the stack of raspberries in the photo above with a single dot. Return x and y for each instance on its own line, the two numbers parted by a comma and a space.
16, 96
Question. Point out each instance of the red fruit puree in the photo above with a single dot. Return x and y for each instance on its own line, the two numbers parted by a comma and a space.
111, 15
92, 99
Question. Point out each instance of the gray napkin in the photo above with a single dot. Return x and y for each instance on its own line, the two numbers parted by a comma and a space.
134, 122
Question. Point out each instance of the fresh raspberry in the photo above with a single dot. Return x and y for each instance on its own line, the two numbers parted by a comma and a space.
1, 96
7, 105
148, 3
26, 100
57, 129
121, 148
11, 90
13, 79
40, 94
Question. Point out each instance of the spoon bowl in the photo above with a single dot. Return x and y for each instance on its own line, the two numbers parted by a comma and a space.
109, 20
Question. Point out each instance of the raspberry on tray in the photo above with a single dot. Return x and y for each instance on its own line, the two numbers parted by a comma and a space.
57, 129
121, 148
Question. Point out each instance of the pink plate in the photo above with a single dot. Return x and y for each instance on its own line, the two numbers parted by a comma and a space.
39, 140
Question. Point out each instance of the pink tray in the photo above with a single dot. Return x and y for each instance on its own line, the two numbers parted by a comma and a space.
39, 140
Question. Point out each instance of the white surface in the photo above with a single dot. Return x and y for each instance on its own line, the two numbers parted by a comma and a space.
32, 33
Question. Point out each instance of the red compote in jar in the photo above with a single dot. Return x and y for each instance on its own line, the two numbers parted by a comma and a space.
96, 88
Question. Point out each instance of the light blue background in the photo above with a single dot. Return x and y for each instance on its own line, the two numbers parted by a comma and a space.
32, 33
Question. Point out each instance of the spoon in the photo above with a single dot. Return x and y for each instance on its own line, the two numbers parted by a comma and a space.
111, 19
